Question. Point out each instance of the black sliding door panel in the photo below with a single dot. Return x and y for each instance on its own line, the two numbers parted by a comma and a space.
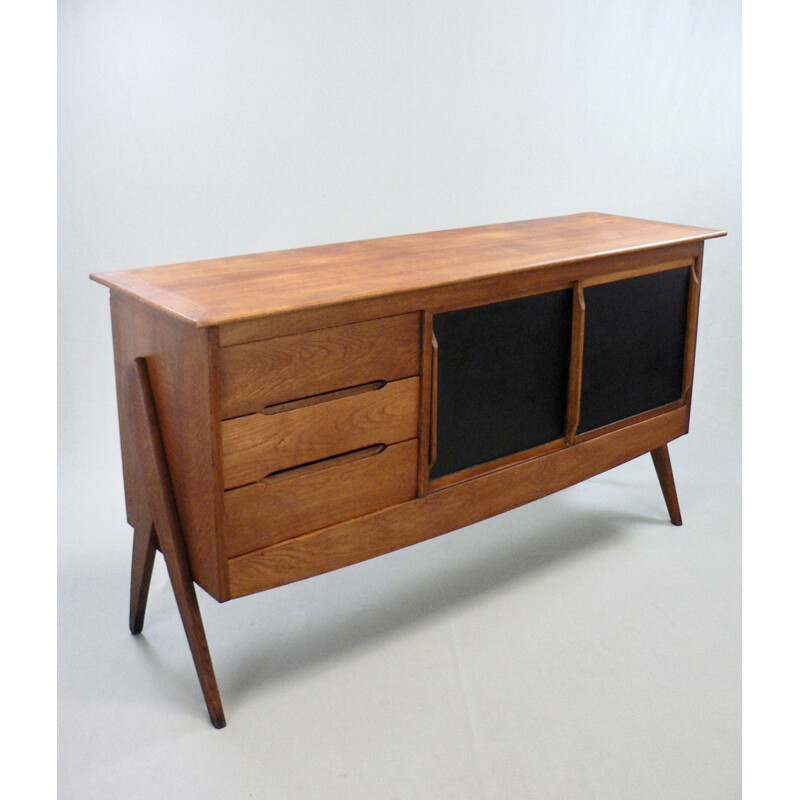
503, 374
633, 347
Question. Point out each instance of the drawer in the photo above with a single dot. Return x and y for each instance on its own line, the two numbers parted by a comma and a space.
259, 374
316, 495
299, 432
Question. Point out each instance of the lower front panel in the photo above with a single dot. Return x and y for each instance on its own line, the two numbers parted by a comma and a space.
449, 508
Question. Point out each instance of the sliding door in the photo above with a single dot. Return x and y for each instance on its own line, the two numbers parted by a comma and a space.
503, 371
634, 344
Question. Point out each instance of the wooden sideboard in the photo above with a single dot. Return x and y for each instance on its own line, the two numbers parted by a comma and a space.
289, 413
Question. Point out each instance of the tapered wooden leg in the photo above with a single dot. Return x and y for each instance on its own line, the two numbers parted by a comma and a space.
144, 553
154, 471
664, 471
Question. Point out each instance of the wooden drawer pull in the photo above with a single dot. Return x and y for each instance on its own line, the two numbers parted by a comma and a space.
576, 361
324, 397
263, 444
258, 374
324, 463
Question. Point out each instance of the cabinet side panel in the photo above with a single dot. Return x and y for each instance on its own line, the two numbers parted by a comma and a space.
178, 364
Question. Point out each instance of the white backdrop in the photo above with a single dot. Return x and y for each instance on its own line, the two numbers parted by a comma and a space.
192, 130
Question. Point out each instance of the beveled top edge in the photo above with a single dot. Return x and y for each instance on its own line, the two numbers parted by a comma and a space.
234, 289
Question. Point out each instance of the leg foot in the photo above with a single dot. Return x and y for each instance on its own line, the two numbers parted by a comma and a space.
183, 586
144, 552
664, 471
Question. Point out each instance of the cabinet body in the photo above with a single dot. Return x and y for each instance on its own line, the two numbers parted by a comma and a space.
323, 406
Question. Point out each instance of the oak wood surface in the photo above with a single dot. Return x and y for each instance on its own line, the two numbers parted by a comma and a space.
637, 272
258, 444
258, 374
324, 397
179, 360
155, 475
450, 296
453, 507
225, 290
215, 411
269, 511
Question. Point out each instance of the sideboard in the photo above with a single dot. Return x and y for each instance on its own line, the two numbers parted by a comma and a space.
289, 413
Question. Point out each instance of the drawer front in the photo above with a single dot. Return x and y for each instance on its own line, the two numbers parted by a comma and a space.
259, 445
259, 374
316, 495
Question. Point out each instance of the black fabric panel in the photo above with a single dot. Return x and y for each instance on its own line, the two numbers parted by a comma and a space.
503, 374
633, 346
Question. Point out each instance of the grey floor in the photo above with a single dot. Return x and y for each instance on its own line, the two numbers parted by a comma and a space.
578, 647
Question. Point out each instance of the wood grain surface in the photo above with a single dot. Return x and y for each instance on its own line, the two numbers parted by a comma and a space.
276, 509
179, 359
259, 444
259, 374
575, 361
225, 290
450, 508
155, 475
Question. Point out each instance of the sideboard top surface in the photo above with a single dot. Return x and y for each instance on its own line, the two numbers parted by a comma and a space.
226, 290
